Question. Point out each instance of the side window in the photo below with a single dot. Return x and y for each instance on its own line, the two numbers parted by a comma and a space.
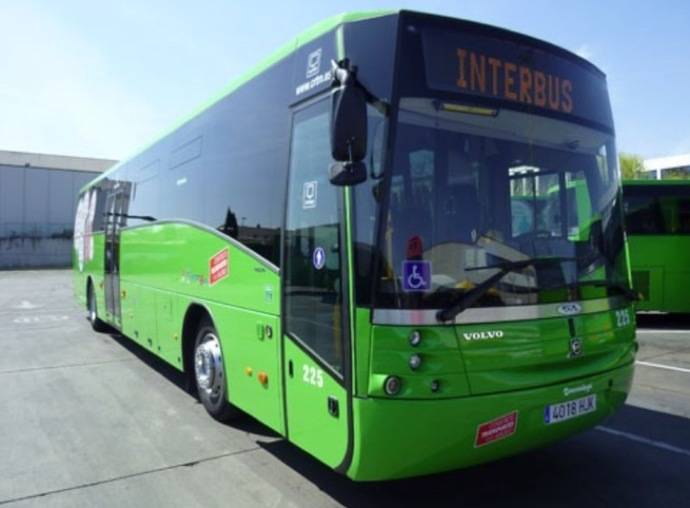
313, 292
643, 216
684, 216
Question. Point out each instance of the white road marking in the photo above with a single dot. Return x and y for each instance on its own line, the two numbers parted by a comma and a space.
49, 318
26, 304
648, 330
644, 440
662, 366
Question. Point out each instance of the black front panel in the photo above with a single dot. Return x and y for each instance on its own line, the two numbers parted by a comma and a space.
490, 66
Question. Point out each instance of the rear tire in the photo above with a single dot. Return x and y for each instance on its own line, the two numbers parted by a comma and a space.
209, 373
92, 311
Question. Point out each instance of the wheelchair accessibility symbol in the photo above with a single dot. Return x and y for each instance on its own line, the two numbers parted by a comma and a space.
416, 276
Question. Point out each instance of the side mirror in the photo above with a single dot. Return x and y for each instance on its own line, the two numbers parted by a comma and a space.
348, 128
349, 124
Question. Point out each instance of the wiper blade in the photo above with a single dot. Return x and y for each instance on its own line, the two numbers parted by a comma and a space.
467, 299
627, 292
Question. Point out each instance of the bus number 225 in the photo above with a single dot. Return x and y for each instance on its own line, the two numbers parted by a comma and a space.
312, 375
622, 318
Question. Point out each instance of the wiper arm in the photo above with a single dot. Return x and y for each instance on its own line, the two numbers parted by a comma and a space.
470, 297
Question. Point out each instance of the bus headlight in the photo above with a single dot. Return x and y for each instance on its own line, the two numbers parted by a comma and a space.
392, 385
415, 361
415, 338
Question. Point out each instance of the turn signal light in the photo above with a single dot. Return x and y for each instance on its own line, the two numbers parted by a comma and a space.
263, 378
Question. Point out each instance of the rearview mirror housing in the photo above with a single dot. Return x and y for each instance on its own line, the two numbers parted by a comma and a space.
349, 124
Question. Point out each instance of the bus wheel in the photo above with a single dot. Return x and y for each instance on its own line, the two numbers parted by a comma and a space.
92, 308
209, 373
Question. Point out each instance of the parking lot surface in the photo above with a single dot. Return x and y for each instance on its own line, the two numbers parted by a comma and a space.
91, 419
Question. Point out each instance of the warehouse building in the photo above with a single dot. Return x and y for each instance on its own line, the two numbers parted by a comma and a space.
38, 197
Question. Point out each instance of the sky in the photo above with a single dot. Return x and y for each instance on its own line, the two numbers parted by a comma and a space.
102, 79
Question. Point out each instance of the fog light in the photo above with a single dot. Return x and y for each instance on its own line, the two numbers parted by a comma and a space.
415, 338
392, 385
435, 385
415, 361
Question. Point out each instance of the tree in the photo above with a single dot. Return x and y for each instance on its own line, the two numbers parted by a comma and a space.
631, 165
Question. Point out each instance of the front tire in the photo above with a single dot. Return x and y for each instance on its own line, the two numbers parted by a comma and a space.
92, 311
209, 373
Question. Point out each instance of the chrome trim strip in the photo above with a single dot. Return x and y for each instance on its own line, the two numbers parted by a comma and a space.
413, 317
235, 243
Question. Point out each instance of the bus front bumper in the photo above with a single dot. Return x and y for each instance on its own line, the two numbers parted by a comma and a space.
396, 438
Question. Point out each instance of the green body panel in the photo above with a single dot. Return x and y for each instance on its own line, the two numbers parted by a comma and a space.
527, 354
441, 359
310, 426
536, 353
661, 272
158, 285
400, 438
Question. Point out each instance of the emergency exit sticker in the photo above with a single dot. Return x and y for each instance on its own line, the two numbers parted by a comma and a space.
499, 428
219, 266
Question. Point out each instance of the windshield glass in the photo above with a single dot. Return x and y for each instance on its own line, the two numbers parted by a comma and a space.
472, 189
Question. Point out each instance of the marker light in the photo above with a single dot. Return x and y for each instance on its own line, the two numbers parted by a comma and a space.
471, 110
435, 385
415, 338
392, 385
415, 361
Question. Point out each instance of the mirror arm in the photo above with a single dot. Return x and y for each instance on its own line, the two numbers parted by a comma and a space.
346, 74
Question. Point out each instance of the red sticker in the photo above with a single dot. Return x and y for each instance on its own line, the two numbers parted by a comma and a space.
218, 266
494, 430
414, 247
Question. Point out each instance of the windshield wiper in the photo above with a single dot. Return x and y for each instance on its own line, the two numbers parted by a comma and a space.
627, 292
470, 297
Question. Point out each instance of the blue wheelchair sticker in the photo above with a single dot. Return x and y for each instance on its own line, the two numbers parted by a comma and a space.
416, 276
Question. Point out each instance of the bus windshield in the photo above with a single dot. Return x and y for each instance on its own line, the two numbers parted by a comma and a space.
473, 190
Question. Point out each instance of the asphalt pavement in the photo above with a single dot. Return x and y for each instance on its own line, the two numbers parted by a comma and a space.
92, 419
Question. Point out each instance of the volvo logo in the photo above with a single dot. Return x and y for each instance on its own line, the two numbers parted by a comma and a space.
494, 334
575, 347
570, 309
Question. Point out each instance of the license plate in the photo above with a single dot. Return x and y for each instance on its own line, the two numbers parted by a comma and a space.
555, 413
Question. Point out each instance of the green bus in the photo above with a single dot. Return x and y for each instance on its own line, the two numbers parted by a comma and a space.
329, 246
657, 219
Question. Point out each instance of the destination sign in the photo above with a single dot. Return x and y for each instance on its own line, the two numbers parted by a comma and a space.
505, 70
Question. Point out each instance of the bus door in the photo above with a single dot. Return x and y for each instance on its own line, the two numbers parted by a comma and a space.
316, 352
115, 210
